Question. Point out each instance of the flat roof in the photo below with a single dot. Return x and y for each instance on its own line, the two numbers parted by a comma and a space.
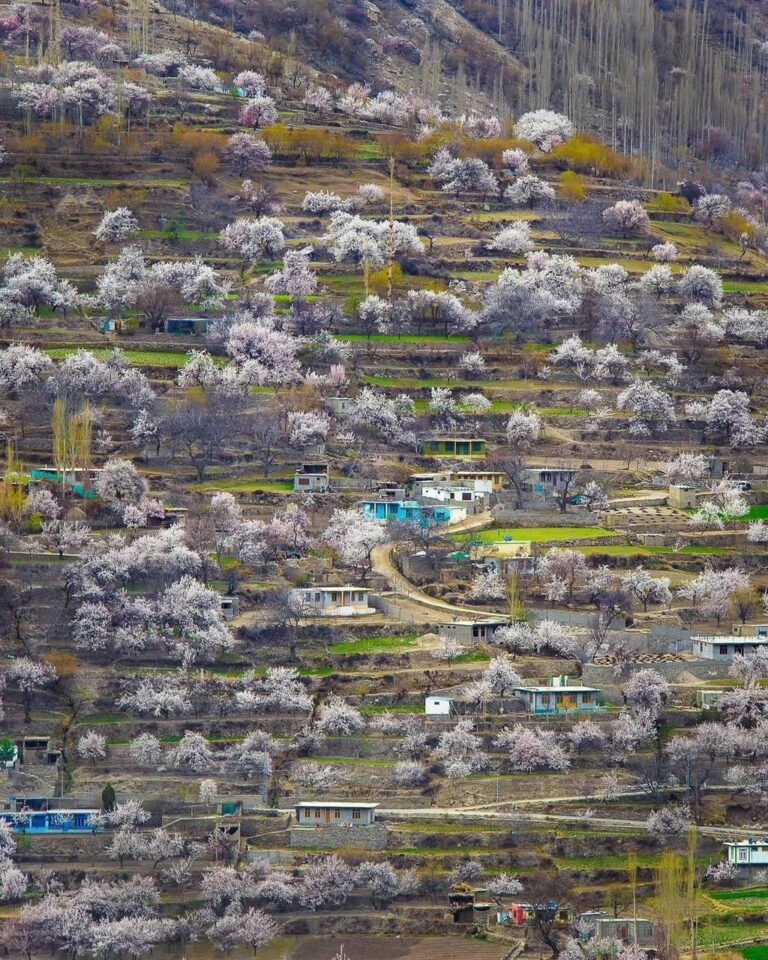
339, 804
328, 589
562, 689
732, 638
478, 623
56, 810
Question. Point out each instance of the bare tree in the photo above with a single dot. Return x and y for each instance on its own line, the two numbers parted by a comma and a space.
266, 436
201, 426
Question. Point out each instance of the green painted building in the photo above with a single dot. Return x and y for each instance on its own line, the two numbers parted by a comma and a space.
452, 447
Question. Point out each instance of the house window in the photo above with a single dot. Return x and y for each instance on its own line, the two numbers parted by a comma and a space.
723, 650
743, 855
475, 631
317, 598
337, 814
586, 698
356, 815
317, 813
545, 699
477, 445
303, 481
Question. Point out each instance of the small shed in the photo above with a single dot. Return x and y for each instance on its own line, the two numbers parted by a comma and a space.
473, 631
230, 607
311, 478
707, 698
682, 497
438, 706
340, 405
189, 326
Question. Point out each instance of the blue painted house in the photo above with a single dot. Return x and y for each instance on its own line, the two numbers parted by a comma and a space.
49, 821
408, 511
559, 697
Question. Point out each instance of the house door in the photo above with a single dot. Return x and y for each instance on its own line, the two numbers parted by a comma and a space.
328, 815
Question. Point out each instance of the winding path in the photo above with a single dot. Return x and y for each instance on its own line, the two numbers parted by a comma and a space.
384, 565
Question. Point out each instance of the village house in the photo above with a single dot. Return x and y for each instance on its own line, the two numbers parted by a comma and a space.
335, 813
559, 697
439, 706
50, 821
469, 904
385, 510
724, 648
601, 926
506, 556
335, 601
473, 631
187, 326
77, 479
485, 481
311, 478
331, 824
481, 481
547, 483
749, 852
467, 496
452, 447
518, 914
681, 497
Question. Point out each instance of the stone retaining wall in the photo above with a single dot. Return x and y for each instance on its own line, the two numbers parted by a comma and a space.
375, 837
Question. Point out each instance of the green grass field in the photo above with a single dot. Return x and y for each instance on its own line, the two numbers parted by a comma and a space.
758, 511
139, 358
245, 485
536, 534
372, 645
756, 951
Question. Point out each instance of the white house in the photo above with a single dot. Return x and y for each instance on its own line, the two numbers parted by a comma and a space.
335, 601
437, 706
473, 631
445, 492
335, 813
749, 852
723, 648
